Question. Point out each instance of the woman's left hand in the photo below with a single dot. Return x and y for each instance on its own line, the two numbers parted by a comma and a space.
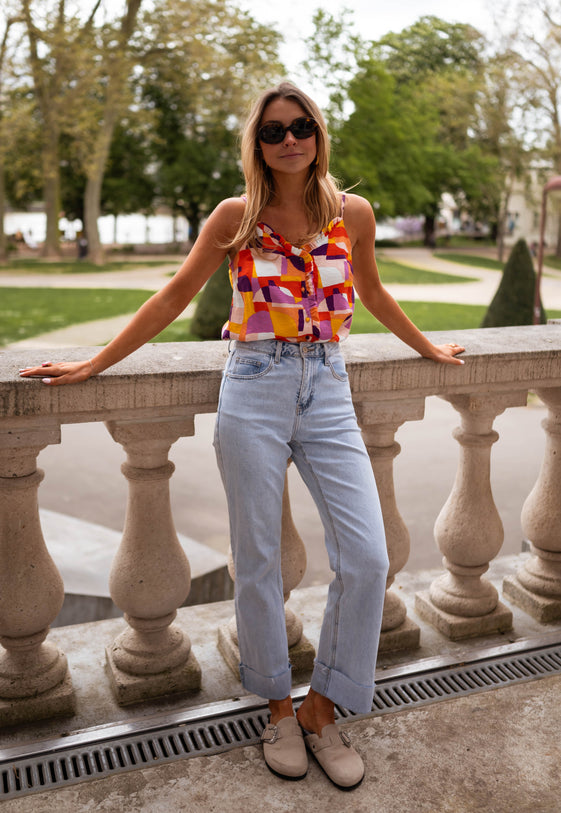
447, 353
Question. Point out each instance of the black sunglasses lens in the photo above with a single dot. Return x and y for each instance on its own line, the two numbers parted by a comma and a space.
272, 133
303, 127
275, 132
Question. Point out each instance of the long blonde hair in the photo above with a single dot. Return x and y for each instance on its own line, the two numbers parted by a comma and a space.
321, 194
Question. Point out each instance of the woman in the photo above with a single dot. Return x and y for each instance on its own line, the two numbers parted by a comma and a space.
297, 246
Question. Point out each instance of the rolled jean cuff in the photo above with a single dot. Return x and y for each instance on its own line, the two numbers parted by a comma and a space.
341, 689
272, 688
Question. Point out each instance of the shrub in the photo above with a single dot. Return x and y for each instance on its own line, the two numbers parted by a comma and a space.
213, 306
513, 303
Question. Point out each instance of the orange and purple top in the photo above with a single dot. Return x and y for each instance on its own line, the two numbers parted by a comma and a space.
292, 293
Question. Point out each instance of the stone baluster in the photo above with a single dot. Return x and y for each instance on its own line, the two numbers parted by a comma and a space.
379, 422
468, 530
150, 576
34, 678
293, 567
536, 588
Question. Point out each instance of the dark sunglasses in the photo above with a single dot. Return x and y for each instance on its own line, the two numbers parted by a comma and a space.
274, 132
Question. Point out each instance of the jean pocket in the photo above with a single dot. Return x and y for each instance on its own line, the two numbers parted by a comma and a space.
336, 364
246, 365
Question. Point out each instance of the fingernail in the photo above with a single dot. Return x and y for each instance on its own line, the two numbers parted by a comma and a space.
46, 380
45, 364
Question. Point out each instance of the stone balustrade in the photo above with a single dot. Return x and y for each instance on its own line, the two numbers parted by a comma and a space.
149, 401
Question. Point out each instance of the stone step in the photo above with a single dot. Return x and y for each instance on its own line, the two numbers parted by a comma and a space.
84, 552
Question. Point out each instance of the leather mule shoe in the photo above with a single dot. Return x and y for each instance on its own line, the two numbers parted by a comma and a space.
284, 749
337, 757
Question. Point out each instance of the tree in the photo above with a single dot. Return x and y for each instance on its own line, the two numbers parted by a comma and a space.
540, 49
57, 55
128, 184
232, 57
440, 64
501, 130
409, 136
113, 99
4, 128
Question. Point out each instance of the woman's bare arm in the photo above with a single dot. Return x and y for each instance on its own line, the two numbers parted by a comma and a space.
163, 307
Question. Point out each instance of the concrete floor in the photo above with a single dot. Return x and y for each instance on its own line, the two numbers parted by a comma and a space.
495, 751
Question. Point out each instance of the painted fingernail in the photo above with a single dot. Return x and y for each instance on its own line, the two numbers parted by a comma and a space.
46, 380
45, 364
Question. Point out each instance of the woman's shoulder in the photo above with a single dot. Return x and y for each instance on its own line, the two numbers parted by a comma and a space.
226, 218
231, 209
356, 205
358, 216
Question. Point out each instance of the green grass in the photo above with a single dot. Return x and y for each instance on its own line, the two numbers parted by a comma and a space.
26, 312
553, 261
429, 316
78, 266
391, 271
475, 260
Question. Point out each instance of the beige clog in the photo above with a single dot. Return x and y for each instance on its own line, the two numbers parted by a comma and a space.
337, 757
284, 749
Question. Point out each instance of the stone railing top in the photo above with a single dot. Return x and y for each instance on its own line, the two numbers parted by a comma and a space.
168, 380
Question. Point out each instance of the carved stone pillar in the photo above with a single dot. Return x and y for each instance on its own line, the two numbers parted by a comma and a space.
150, 576
468, 530
379, 423
293, 566
536, 588
34, 678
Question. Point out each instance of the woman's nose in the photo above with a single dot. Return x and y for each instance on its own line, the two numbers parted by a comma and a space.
289, 138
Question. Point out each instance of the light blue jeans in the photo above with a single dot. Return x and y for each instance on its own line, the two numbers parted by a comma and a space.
281, 400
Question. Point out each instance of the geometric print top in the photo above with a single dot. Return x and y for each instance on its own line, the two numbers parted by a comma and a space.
291, 293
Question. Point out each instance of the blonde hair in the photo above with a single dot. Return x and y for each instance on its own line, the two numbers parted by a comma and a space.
321, 194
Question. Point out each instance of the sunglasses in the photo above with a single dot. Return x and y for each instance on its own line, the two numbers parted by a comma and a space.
274, 132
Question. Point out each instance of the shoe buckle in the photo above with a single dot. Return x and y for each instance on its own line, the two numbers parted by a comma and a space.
270, 734
345, 739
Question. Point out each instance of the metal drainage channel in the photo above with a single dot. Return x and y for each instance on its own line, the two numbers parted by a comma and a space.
107, 750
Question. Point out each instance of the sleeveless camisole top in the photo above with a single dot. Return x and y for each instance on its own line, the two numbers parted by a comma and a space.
291, 293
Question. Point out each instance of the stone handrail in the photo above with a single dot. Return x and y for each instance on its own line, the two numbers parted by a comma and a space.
149, 400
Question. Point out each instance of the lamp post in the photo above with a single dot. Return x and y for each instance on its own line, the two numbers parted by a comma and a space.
553, 184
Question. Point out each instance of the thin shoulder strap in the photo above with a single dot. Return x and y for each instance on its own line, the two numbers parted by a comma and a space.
343, 197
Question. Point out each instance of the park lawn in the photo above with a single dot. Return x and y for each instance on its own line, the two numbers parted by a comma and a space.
475, 260
37, 266
394, 272
26, 312
429, 316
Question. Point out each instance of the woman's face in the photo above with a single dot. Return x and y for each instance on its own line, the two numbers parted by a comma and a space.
292, 155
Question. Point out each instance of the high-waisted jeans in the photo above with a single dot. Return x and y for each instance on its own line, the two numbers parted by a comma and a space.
281, 400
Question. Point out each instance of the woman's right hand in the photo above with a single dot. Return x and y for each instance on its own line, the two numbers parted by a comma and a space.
64, 372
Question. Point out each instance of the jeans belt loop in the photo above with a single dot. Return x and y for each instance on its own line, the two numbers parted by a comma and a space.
278, 352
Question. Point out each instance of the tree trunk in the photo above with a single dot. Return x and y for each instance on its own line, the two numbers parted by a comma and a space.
51, 192
430, 238
92, 197
3, 246
117, 81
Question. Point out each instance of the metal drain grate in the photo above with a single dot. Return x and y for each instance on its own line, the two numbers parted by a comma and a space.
102, 752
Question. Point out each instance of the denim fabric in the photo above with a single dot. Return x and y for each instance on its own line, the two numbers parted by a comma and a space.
280, 400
